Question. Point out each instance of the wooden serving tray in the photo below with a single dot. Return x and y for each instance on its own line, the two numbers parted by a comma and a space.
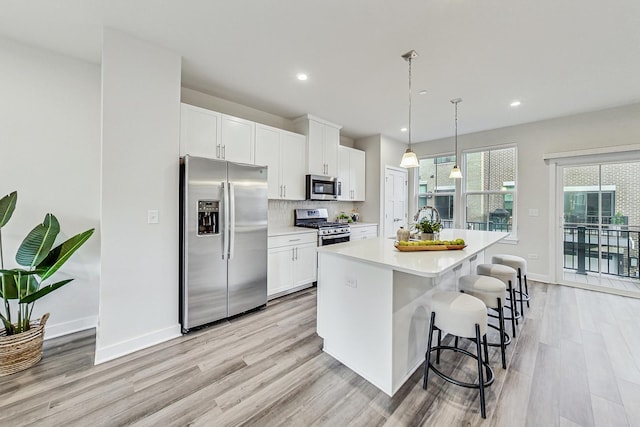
430, 248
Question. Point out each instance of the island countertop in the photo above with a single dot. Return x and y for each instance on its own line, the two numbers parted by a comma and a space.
381, 251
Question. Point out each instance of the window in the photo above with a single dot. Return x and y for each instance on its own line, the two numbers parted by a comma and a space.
581, 204
435, 188
490, 189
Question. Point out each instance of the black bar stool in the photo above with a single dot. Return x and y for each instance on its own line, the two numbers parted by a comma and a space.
492, 293
463, 316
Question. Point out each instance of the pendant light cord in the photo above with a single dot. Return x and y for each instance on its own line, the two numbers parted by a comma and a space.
410, 59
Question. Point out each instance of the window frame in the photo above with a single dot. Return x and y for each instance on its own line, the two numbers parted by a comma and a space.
512, 237
453, 193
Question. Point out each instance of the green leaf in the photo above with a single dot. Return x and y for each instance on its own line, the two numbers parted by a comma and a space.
60, 254
44, 291
7, 206
11, 284
7, 326
38, 243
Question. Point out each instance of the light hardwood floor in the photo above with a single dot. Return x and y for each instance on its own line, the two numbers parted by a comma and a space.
576, 361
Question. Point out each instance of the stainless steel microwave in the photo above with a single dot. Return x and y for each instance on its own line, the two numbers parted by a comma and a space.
322, 187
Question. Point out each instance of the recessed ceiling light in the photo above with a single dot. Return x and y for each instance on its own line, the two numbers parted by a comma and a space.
302, 76
423, 92
515, 103
403, 130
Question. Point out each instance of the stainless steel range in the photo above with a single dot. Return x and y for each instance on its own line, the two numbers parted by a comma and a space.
329, 233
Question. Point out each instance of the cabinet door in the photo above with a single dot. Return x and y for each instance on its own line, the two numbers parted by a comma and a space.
344, 177
363, 233
237, 138
357, 174
268, 154
331, 144
292, 167
305, 265
279, 270
315, 153
199, 132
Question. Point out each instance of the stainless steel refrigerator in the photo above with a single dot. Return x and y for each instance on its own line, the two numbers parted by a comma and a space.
223, 242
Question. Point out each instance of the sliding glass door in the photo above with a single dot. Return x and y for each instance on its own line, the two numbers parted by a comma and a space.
601, 215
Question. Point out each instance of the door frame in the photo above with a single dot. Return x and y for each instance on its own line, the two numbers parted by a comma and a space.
557, 163
405, 172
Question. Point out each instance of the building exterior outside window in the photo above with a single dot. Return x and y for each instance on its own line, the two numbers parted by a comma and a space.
490, 189
436, 189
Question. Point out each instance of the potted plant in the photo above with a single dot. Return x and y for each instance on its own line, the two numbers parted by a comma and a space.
617, 220
21, 339
429, 229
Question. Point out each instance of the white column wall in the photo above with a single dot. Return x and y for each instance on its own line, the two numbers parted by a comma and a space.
50, 154
140, 150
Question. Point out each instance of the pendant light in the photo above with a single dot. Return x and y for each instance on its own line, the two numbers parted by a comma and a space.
409, 159
455, 171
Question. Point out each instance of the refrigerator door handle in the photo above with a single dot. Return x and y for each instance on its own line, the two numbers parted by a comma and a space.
232, 220
225, 230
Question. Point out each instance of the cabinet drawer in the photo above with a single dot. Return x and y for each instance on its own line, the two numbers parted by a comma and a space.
292, 239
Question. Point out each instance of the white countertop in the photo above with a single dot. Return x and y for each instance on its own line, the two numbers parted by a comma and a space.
381, 251
283, 231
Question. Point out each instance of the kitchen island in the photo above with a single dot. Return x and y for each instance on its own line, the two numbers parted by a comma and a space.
373, 301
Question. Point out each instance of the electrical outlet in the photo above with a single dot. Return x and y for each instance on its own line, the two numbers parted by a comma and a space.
152, 216
533, 212
532, 256
352, 283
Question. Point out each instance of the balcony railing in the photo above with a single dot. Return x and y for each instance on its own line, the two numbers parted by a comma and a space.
609, 249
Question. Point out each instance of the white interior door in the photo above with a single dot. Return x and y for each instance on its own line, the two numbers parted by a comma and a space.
395, 200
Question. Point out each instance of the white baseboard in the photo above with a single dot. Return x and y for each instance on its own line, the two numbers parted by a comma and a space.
127, 347
544, 278
60, 329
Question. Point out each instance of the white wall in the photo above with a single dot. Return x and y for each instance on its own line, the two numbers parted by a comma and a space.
210, 102
607, 128
381, 151
50, 154
140, 136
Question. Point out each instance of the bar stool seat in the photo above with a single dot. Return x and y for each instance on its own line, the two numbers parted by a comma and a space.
492, 292
508, 276
465, 316
520, 265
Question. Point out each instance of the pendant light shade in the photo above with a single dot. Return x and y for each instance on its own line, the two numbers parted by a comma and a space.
409, 159
455, 171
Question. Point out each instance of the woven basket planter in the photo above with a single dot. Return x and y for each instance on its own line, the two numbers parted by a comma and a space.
21, 351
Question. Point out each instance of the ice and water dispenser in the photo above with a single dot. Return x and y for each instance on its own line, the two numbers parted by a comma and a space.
208, 217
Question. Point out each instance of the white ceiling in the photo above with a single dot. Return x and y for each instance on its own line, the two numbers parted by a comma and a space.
557, 57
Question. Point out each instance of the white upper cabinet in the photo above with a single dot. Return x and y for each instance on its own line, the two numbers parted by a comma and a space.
206, 133
199, 132
323, 139
268, 154
237, 138
351, 173
283, 152
293, 147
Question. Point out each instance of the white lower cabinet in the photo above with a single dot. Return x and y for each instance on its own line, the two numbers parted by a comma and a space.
364, 232
292, 263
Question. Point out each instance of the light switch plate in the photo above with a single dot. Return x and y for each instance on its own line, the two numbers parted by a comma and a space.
152, 216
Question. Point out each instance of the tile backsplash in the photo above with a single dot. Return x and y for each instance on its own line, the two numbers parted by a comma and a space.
281, 211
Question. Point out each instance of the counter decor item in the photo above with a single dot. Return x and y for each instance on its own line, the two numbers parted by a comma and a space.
21, 339
430, 245
402, 234
429, 229
343, 217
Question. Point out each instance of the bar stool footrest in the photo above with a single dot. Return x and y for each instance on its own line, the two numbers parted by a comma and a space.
452, 380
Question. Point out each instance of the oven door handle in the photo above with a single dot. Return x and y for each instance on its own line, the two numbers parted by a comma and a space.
336, 236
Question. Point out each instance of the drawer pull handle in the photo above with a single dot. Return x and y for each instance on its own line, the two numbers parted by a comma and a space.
294, 240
